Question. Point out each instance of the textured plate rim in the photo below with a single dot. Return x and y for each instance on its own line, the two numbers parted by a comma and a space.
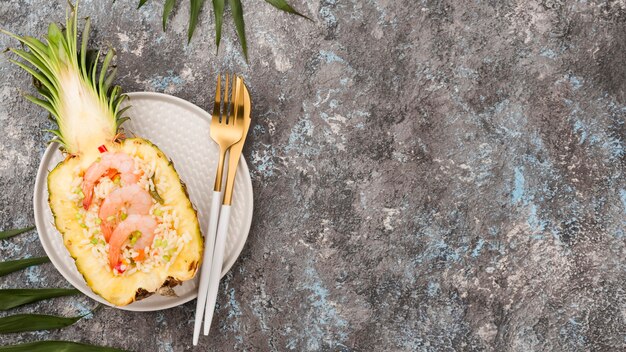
57, 259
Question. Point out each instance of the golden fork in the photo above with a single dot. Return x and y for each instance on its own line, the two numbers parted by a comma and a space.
222, 229
227, 128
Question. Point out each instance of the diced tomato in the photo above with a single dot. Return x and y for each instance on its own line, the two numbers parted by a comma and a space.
111, 173
118, 267
141, 255
102, 149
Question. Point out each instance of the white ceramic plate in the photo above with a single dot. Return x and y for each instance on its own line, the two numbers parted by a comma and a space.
181, 130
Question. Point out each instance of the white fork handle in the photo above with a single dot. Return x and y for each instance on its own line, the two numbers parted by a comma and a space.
216, 266
205, 271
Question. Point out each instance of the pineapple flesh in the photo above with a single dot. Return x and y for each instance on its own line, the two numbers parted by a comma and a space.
75, 87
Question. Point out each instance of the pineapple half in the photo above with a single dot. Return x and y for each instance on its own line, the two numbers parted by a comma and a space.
76, 89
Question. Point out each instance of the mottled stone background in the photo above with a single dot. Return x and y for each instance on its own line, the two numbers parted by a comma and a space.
429, 175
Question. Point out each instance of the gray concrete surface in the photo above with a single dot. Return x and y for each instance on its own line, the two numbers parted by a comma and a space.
429, 175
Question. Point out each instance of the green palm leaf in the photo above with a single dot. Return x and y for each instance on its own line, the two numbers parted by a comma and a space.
56, 346
11, 233
167, 9
34, 322
15, 265
11, 298
236, 8
284, 6
218, 9
196, 7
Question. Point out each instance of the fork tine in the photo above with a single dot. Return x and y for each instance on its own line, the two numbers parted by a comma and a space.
240, 100
224, 97
235, 100
218, 95
227, 101
228, 110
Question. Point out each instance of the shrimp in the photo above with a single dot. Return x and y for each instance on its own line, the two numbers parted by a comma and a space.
142, 225
134, 198
123, 163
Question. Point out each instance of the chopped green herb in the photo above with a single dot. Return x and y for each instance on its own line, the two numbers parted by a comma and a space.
94, 241
158, 212
124, 216
116, 180
83, 225
78, 216
167, 258
134, 237
154, 193
98, 221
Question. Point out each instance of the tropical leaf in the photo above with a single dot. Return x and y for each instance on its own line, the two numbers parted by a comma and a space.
15, 265
33, 322
167, 9
11, 233
218, 9
284, 6
11, 298
196, 7
57, 346
240, 26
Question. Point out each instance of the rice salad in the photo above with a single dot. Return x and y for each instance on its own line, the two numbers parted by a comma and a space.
167, 243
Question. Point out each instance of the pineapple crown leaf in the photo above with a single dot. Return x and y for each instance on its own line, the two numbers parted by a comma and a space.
50, 61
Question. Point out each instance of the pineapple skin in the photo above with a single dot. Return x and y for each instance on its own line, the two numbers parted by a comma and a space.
123, 290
